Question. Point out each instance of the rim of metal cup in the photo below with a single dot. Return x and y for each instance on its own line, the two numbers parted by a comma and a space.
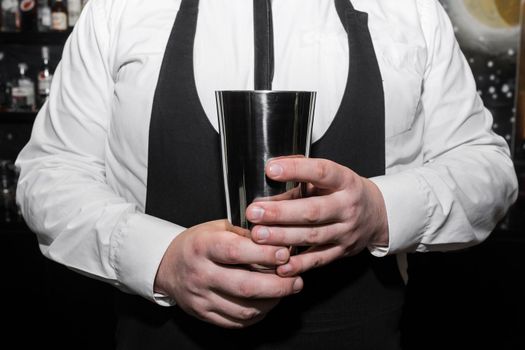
267, 91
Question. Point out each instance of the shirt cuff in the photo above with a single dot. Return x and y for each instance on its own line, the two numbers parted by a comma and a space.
406, 202
137, 249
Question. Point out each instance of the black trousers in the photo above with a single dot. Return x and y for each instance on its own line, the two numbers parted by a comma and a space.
353, 304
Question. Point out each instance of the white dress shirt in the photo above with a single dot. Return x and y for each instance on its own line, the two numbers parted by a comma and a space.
83, 179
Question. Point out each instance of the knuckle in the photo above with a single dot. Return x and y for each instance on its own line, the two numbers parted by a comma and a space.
272, 213
246, 290
350, 214
198, 246
295, 166
312, 214
313, 236
249, 314
321, 170
232, 253
317, 262
358, 187
282, 291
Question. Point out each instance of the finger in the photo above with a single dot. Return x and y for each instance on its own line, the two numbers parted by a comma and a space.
299, 235
241, 309
242, 283
231, 249
294, 193
225, 225
315, 257
321, 173
304, 211
238, 230
225, 321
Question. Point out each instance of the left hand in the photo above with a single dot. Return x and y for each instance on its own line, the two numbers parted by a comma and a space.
343, 214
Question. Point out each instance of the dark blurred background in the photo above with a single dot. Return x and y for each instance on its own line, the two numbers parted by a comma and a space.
475, 298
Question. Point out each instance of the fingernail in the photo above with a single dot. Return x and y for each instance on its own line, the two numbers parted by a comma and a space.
298, 285
263, 233
281, 255
256, 213
275, 170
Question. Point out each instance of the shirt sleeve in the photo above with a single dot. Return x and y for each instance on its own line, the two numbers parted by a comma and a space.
467, 181
79, 220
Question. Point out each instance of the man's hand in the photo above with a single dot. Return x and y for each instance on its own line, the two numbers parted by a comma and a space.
342, 214
203, 270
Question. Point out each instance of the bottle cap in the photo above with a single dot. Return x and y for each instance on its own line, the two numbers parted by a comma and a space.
45, 52
22, 67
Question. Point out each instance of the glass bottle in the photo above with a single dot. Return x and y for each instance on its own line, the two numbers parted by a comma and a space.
23, 91
58, 16
28, 16
10, 19
74, 7
44, 16
44, 78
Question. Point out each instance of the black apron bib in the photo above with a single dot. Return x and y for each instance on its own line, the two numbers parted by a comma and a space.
353, 303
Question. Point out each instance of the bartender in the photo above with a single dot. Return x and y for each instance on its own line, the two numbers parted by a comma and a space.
122, 177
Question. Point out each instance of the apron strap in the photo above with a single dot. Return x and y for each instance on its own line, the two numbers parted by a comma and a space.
189, 5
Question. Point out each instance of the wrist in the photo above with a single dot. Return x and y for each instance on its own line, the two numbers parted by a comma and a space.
161, 283
378, 216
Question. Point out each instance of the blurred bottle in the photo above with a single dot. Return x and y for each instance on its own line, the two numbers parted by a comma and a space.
84, 2
28, 16
3, 83
44, 16
23, 91
44, 78
8, 210
5, 95
58, 16
10, 18
74, 7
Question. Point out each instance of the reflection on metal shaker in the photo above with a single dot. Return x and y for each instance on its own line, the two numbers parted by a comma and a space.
256, 126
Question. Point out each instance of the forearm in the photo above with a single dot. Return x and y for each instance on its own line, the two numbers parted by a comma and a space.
81, 223
451, 191
452, 201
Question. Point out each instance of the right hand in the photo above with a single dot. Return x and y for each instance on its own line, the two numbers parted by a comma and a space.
204, 271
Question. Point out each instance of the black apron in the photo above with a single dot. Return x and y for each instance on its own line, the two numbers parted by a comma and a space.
353, 303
